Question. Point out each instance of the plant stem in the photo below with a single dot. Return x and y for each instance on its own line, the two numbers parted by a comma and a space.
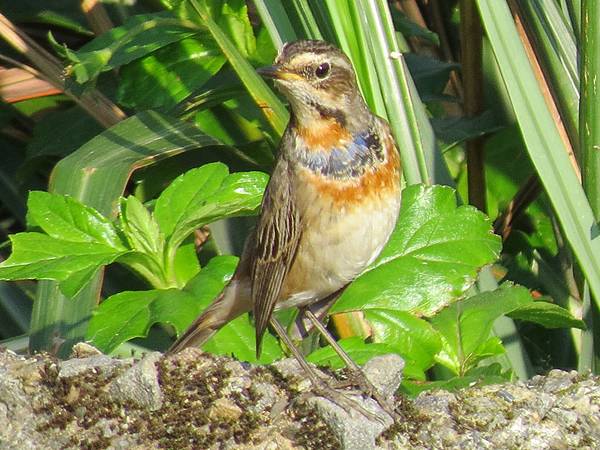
589, 133
472, 72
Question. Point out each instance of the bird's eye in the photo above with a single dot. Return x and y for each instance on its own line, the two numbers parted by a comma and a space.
322, 70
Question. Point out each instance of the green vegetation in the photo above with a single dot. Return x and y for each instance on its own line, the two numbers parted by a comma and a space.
145, 135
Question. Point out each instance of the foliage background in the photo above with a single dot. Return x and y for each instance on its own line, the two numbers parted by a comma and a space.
169, 86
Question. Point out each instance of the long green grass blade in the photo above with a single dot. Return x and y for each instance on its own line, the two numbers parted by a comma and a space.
590, 103
275, 19
401, 100
589, 113
573, 9
557, 48
352, 38
306, 18
272, 108
542, 139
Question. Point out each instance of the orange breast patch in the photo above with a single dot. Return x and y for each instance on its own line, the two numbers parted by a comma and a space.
384, 178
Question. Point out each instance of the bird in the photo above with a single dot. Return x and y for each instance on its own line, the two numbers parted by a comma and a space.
331, 203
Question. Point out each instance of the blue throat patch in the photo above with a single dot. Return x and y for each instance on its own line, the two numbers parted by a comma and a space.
350, 161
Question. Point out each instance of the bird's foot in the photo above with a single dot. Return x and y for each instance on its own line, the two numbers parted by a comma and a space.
325, 390
357, 378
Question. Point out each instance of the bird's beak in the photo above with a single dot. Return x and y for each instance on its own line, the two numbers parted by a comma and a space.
277, 72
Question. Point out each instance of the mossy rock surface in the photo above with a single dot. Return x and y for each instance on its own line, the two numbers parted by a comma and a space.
197, 401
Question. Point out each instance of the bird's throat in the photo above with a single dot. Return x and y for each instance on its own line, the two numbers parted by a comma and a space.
322, 134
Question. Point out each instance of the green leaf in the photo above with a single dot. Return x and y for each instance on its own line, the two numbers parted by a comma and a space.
465, 326
547, 151
272, 108
186, 191
204, 195
406, 113
140, 227
64, 218
170, 74
491, 374
127, 315
39, 256
233, 20
454, 130
360, 352
78, 242
413, 338
104, 164
431, 259
139, 36
75, 282
548, 315
430, 75
96, 174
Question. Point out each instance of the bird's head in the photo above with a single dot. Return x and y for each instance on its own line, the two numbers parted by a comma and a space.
318, 80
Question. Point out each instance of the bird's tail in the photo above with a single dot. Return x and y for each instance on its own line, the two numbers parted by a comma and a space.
233, 301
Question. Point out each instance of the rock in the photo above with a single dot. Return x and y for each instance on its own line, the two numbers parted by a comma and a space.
385, 372
195, 400
139, 384
97, 363
352, 429
84, 350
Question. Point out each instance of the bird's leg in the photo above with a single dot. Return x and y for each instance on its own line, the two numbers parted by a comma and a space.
319, 385
358, 375
302, 325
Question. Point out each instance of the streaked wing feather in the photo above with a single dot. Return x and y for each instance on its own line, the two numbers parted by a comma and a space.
276, 242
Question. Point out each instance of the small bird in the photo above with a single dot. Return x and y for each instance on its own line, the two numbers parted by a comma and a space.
330, 205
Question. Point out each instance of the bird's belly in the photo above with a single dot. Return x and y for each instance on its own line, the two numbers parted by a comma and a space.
337, 244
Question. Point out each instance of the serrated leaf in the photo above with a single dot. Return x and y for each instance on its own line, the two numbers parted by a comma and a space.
204, 195
170, 74
64, 218
39, 256
127, 315
187, 190
431, 259
465, 326
548, 315
97, 175
79, 241
140, 228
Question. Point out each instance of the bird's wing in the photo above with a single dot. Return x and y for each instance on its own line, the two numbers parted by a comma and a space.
276, 241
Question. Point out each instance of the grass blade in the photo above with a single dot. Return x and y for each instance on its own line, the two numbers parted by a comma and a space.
589, 131
272, 108
557, 49
278, 24
541, 136
403, 106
